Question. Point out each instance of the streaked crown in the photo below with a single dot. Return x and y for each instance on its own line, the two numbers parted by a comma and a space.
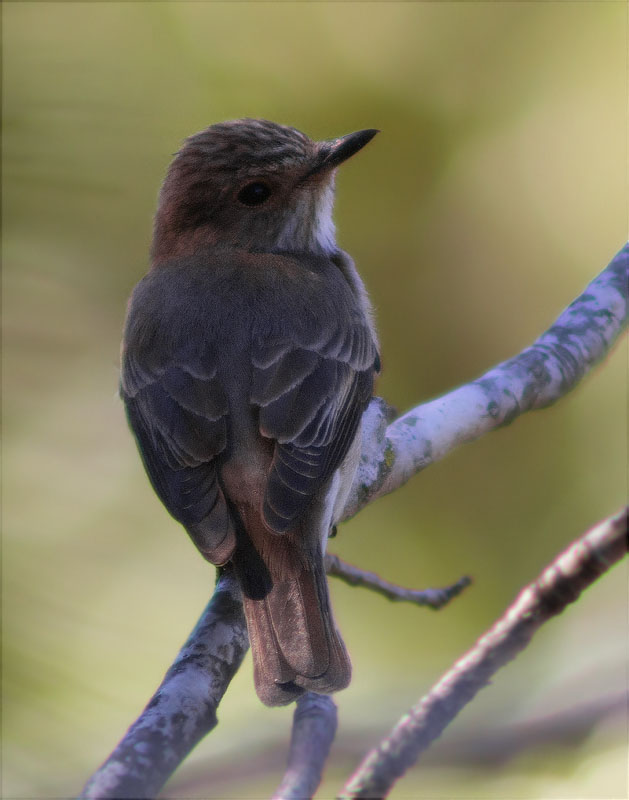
252, 184
243, 144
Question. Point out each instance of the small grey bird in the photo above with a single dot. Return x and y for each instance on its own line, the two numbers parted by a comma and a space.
248, 358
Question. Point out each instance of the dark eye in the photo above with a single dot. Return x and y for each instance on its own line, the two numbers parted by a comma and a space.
254, 193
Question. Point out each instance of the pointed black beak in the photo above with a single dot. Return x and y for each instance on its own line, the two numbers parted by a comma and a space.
334, 151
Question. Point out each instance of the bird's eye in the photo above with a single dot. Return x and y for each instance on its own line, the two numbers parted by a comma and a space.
253, 194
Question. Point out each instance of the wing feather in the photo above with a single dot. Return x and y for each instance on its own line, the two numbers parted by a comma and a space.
312, 391
177, 411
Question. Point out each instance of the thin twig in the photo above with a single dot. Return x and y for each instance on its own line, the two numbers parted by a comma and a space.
183, 709
314, 728
433, 598
561, 583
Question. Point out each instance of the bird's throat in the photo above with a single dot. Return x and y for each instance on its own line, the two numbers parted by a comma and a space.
310, 225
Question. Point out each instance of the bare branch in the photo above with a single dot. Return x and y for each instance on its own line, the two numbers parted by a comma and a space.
183, 709
433, 598
473, 749
494, 748
314, 728
538, 376
561, 583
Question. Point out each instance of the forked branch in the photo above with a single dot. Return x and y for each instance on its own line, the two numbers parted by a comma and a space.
183, 709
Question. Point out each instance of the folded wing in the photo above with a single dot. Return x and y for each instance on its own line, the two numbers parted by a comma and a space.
312, 389
177, 410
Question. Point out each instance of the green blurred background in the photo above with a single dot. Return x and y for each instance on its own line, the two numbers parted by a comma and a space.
494, 193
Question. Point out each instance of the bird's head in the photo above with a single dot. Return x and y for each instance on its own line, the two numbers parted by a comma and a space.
255, 185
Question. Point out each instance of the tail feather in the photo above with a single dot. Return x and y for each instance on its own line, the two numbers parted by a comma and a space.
299, 633
294, 641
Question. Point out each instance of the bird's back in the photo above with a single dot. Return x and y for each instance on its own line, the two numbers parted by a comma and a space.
235, 372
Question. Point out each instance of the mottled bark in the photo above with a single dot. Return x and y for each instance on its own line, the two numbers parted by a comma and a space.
394, 451
183, 709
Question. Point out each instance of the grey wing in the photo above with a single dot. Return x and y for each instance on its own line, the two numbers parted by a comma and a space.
177, 411
312, 390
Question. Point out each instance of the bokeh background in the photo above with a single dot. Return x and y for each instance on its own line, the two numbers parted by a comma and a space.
495, 192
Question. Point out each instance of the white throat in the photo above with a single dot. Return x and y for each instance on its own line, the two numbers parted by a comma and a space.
310, 225
323, 231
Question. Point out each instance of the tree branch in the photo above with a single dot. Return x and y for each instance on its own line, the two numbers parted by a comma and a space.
314, 727
183, 709
433, 598
538, 376
491, 749
561, 583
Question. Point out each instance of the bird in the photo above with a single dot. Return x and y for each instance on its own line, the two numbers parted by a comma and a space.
248, 358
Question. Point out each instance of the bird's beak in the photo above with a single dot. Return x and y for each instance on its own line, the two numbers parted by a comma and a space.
334, 151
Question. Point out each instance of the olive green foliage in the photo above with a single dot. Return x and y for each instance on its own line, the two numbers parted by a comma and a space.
494, 193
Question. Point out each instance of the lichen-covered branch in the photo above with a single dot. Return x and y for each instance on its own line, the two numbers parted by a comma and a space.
183, 710
561, 583
583, 334
314, 727
433, 598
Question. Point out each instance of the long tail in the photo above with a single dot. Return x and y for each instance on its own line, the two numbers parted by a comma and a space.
294, 640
